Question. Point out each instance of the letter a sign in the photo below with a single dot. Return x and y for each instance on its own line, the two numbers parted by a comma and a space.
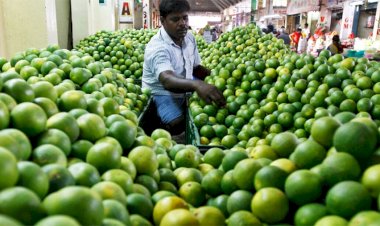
126, 11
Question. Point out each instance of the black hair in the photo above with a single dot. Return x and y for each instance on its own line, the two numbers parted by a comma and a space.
299, 29
336, 38
306, 24
170, 6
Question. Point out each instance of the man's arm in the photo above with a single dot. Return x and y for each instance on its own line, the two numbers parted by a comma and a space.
201, 72
207, 92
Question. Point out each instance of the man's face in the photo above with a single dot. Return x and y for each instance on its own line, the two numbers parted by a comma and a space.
176, 25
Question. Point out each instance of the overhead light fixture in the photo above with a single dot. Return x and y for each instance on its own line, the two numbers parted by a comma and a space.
197, 3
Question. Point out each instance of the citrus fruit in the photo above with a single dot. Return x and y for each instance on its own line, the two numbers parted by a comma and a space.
59, 220
47, 105
232, 158
211, 182
124, 132
303, 186
355, 138
104, 156
128, 166
370, 180
91, 127
309, 214
193, 193
8, 169
148, 182
340, 201
21, 204
57, 138
59, 177
110, 190
84, 174
4, 115
120, 177
244, 173
270, 205
208, 215
115, 210
214, 156
239, 200
331, 220
323, 130
160, 133
270, 176
140, 204
139, 220
165, 205
19, 90
17, 142
69, 200
368, 217
65, 122
48, 154
29, 118
186, 158
32, 177
339, 167
284, 143
243, 217
285, 164
144, 159
308, 154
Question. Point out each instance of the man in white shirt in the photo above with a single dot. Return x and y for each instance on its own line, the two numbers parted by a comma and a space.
171, 62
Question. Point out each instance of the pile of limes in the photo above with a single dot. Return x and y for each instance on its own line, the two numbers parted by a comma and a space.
122, 50
301, 134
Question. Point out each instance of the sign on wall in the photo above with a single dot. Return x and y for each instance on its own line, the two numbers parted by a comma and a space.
301, 6
126, 11
146, 14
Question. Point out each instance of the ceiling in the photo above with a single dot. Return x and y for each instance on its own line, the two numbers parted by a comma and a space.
211, 5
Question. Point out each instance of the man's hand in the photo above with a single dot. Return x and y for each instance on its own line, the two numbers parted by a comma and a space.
210, 93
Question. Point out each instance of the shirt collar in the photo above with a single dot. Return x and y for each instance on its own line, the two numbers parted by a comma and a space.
165, 36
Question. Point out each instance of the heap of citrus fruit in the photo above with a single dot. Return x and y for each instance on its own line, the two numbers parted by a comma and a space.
122, 50
301, 134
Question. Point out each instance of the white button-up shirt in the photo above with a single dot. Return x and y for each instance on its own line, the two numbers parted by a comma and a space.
162, 54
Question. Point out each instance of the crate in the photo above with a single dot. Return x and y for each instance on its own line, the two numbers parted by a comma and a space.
148, 119
192, 134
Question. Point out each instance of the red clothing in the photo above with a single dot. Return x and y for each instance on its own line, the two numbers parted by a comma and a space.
295, 37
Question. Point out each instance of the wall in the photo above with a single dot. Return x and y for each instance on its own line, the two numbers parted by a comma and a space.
63, 23
80, 22
347, 20
102, 17
2, 32
24, 26
363, 30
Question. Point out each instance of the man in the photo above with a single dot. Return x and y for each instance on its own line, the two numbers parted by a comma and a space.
171, 62
335, 47
306, 31
284, 36
295, 37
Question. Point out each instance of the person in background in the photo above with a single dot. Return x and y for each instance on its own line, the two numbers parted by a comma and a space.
295, 37
335, 47
171, 64
214, 34
284, 36
270, 28
306, 31
320, 43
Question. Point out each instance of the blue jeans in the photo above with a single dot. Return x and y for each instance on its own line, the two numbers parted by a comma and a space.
168, 107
